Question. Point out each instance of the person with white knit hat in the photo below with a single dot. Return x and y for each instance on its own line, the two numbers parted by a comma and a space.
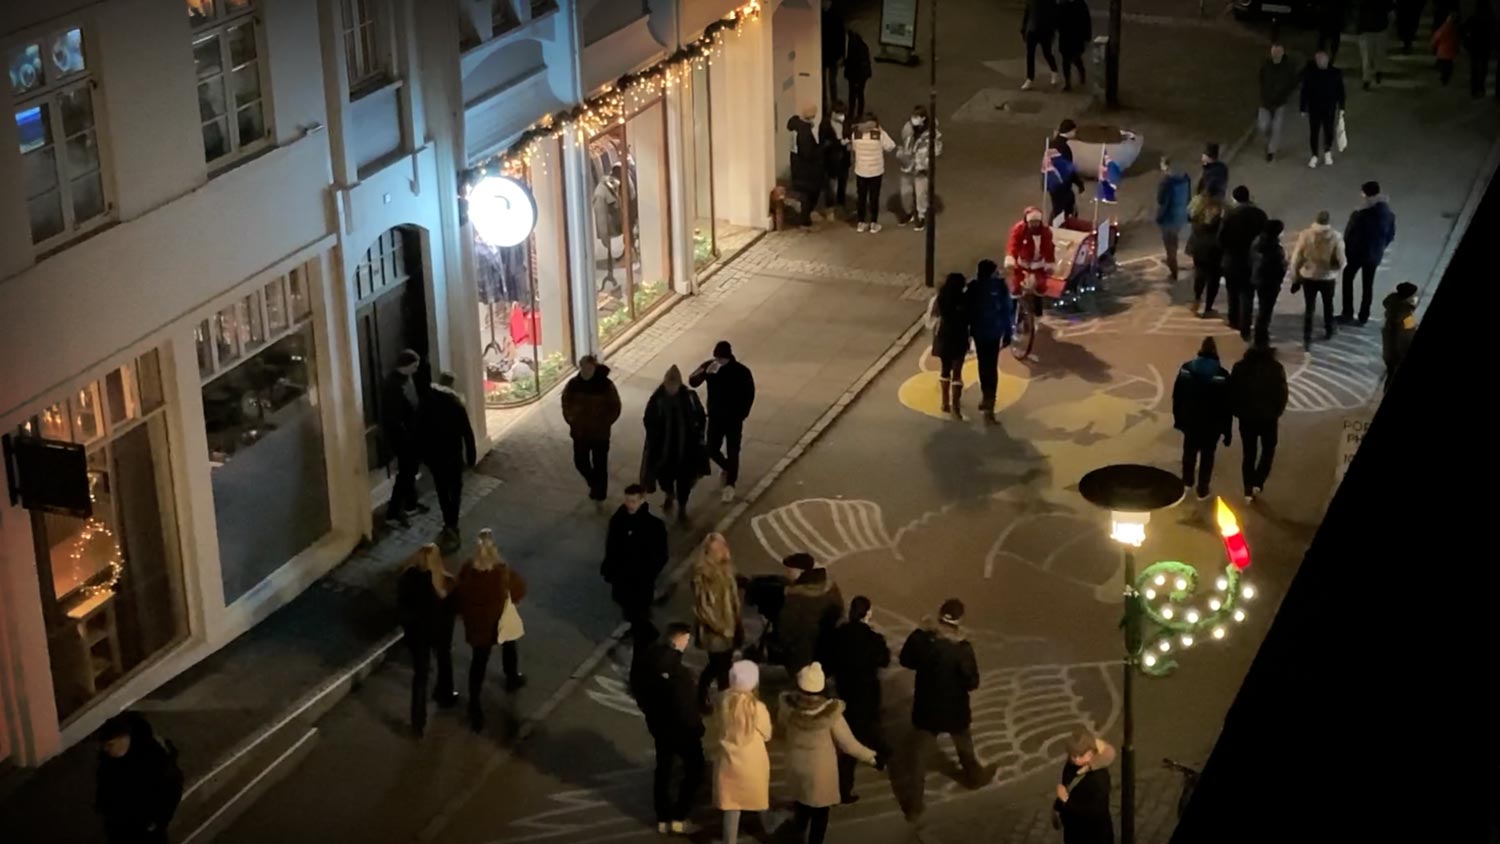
742, 767
816, 733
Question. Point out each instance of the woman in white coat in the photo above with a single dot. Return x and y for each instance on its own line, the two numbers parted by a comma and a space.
742, 767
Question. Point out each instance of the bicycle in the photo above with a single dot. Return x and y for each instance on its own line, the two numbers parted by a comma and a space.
1189, 782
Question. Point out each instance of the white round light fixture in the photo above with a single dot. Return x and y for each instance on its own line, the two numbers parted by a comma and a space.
502, 211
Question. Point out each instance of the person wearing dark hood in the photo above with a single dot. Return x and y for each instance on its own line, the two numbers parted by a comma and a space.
1268, 271
1242, 224
400, 427
1278, 80
1215, 178
668, 698
811, 610
731, 394
1408, 16
950, 341
833, 50
590, 406
856, 656
1201, 411
946, 674
991, 316
139, 783
674, 456
1173, 193
1075, 31
1082, 804
427, 618
807, 161
857, 72
1370, 231
1399, 328
815, 734
834, 130
1038, 25
635, 552
1322, 100
448, 438
1205, 215
1258, 394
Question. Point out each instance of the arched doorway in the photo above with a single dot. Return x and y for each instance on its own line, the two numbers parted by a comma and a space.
390, 314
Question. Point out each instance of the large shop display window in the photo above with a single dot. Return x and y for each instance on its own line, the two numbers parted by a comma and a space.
631, 226
265, 432
714, 237
111, 581
525, 318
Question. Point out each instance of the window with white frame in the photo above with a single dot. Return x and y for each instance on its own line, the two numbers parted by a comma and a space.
364, 53
62, 173
383, 267
230, 72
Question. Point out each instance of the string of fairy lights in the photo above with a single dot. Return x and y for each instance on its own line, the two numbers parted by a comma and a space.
94, 529
626, 96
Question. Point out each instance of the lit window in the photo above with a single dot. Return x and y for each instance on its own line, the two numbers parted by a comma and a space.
228, 65
363, 55
245, 325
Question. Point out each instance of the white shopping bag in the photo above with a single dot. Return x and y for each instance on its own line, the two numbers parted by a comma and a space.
1340, 137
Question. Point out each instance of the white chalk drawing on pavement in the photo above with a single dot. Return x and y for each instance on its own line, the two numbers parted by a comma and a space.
828, 528
1340, 374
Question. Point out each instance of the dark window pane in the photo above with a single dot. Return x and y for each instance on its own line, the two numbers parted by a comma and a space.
77, 110
34, 127
39, 171
83, 154
210, 99
252, 124
301, 303
207, 57
241, 44
46, 216
67, 53
247, 85
205, 349
25, 68
148, 374
88, 198
120, 397
215, 140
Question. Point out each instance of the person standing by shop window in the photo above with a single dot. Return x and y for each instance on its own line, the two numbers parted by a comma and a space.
448, 438
731, 394
139, 783
869, 143
426, 617
590, 406
400, 409
674, 455
485, 585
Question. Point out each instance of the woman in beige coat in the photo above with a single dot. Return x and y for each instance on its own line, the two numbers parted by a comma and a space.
742, 767
815, 731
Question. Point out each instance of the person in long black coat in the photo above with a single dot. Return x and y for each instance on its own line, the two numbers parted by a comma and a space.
139, 783
635, 552
856, 655
1075, 30
1038, 27
1268, 268
667, 694
857, 72
807, 162
400, 431
427, 620
950, 340
675, 456
448, 448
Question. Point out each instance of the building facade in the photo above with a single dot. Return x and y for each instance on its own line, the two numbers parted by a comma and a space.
198, 311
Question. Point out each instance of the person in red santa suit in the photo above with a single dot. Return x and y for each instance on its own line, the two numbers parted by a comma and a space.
1030, 257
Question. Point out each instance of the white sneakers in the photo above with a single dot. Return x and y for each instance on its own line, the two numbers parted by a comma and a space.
727, 496
1328, 157
1312, 163
1026, 86
874, 228
862, 227
1054, 79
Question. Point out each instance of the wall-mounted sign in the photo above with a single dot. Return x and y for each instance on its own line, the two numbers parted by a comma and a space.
502, 211
898, 23
48, 475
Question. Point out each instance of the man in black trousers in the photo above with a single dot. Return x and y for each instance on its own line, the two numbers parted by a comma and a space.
448, 439
856, 655
668, 696
635, 552
400, 420
731, 394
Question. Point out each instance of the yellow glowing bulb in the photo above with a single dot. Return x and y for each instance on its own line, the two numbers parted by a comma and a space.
1164, 646
1239, 615
1187, 640
1248, 592
1192, 616
1181, 584
1166, 612
1214, 604
1219, 632
1150, 594
1221, 584
1150, 660
1161, 580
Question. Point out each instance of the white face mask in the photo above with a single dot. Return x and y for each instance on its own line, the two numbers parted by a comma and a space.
918, 121
839, 116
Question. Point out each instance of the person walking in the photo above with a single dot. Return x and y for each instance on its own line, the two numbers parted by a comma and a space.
1479, 40
1082, 804
807, 161
1322, 100
856, 656
920, 143
635, 552
946, 673
590, 406
1242, 224
448, 439
742, 766
1372, 18
1370, 231
1399, 328
426, 617
1061, 175
1201, 411
667, 699
731, 394
1205, 215
857, 72
400, 428
1258, 396
990, 313
1316, 260
674, 455
1038, 25
811, 610
1075, 31
1332, 16
1408, 17
1173, 191
868, 145
138, 784
1445, 45
816, 733
485, 585
1214, 180
1278, 80
834, 37
1268, 270
716, 612
834, 133
950, 341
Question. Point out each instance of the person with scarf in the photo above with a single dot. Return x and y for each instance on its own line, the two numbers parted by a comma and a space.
675, 455
716, 612
737, 743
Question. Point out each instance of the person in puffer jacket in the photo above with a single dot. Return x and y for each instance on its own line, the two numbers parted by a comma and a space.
869, 143
991, 316
1400, 326
1201, 411
1316, 261
920, 143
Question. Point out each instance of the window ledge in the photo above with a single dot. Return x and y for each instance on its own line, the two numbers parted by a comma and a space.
375, 86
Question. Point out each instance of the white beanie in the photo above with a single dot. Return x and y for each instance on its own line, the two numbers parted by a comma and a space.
811, 679
744, 676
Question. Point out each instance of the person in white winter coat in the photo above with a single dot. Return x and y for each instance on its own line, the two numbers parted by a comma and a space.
1316, 261
869, 143
920, 143
742, 767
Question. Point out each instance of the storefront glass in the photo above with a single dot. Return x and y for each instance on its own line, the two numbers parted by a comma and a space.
628, 194
714, 237
111, 581
265, 433
525, 317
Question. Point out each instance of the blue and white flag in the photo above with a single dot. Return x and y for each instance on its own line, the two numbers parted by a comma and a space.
1109, 178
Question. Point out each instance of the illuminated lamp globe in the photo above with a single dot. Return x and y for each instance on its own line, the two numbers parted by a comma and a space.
502, 211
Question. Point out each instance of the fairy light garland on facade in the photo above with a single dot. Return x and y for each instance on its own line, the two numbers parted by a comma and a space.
627, 95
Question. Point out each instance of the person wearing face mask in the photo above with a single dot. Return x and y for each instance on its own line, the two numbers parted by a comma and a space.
835, 131
920, 142
1322, 100
868, 145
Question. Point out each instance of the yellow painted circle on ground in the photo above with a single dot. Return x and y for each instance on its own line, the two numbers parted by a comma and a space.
923, 392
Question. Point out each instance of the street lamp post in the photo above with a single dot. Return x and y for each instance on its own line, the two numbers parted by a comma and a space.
930, 268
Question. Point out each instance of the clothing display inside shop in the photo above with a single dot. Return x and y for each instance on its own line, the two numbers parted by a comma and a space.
509, 322
612, 173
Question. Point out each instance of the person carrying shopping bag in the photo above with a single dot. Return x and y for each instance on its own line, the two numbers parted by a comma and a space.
487, 594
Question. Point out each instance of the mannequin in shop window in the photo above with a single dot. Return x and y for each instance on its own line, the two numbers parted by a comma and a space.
609, 218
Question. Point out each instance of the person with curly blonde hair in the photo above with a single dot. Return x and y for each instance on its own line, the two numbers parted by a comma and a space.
716, 611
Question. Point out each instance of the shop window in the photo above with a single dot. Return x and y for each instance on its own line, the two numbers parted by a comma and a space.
714, 237
265, 434
111, 581
525, 318
62, 172
364, 53
228, 64
631, 242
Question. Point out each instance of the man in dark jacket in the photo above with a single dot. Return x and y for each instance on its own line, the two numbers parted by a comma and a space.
448, 438
1370, 231
635, 552
1172, 193
139, 783
590, 406
731, 394
834, 130
857, 71
1082, 804
947, 673
1075, 31
1201, 411
1322, 100
807, 162
856, 656
1063, 179
1267, 272
810, 612
992, 323
1242, 224
833, 50
1038, 26
1258, 393
400, 423
1215, 178
1330, 18
1278, 80
667, 693
1400, 326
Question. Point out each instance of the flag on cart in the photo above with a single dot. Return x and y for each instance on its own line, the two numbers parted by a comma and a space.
1109, 178
1057, 170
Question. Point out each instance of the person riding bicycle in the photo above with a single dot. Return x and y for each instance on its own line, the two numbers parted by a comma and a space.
1030, 257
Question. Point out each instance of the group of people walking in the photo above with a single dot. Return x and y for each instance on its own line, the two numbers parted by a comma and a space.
425, 422
1067, 22
1456, 27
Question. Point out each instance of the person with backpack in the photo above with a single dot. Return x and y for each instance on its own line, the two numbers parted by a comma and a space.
1082, 805
1201, 411
1267, 272
138, 783
1258, 393
1316, 261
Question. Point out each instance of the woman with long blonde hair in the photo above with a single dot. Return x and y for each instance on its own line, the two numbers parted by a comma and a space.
716, 609
485, 584
426, 615
742, 767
